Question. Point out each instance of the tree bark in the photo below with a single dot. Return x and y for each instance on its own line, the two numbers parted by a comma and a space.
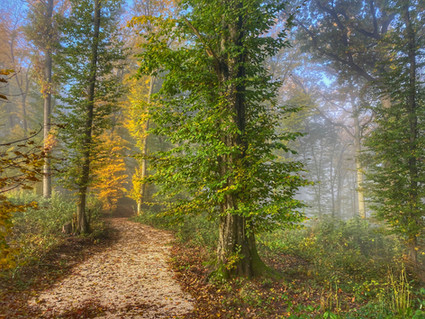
82, 223
359, 169
413, 130
47, 177
236, 251
332, 173
143, 190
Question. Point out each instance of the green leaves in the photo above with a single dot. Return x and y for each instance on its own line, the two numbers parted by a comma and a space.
216, 107
74, 67
396, 146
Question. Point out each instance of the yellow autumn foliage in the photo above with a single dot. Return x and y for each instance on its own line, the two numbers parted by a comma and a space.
110, 171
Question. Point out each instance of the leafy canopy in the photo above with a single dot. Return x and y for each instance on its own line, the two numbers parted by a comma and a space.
213, 155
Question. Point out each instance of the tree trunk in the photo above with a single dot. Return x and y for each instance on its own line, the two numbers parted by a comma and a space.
340, 181
145, 152
332, 181
359, 169
82, 226
317, 188
236, 251
412, 246
24, 113
82, 223
139, 206
47, 178
413, 132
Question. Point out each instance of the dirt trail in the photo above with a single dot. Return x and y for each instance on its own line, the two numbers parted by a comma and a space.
129, 279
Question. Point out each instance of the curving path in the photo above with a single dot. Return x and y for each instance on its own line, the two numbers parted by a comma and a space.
129, 279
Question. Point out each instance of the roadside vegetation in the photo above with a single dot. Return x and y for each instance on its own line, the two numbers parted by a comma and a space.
227, 122
329, 268
38, 231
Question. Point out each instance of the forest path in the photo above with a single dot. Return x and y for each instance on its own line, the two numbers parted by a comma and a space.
129, 279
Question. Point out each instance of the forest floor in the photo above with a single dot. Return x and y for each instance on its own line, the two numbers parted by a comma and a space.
131, 270
124, 276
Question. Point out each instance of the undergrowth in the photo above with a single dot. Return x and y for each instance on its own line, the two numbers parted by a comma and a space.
331, 269
37, 230
191, 230
349, 251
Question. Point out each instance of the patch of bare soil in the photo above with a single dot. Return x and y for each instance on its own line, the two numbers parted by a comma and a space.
129, 279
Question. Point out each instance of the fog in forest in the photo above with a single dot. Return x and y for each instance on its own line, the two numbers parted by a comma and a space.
297, 121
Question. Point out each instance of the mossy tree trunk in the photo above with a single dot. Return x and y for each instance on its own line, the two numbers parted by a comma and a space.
236, 251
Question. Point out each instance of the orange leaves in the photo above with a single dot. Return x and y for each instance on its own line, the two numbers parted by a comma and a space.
110, 171
4, 73
50, 141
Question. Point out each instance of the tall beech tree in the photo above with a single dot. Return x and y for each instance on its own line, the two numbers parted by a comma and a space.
396, 146
140, 92
43, 32
137, 123
347, 36
218, 107
90, 52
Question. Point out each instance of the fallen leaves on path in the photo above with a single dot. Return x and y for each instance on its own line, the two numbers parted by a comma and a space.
129, 279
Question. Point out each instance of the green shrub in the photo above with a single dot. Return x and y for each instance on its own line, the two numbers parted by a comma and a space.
36, 230
348, 251
194, 230
48, 218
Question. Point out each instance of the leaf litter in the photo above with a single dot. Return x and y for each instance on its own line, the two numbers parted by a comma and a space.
129, 279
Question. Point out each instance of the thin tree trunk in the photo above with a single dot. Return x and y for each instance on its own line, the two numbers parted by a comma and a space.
359, 169
24, 113
339, 181
143, 190
413, 130
82, 224
318, 186
47, 177
332, 181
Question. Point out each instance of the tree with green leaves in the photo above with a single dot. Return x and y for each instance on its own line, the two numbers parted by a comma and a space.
90, 54
396, 145
347, 36
218, 108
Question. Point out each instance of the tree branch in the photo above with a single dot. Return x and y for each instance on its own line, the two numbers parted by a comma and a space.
23, 139
208, 49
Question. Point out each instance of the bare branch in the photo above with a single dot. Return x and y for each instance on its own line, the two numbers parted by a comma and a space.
23, 139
